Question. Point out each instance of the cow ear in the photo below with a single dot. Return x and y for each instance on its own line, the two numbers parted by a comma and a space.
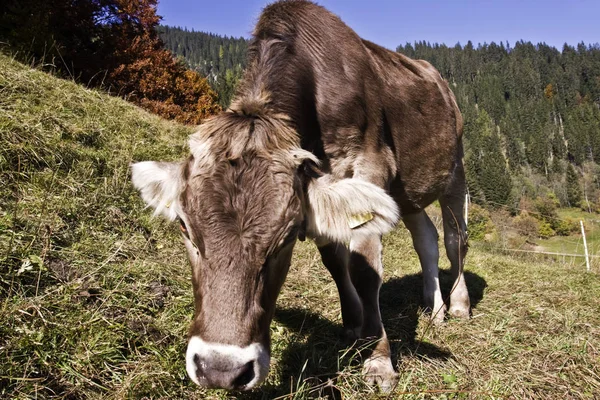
309, 170
342, 209
160, 185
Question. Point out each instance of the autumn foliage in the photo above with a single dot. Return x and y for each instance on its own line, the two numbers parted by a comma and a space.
111, 44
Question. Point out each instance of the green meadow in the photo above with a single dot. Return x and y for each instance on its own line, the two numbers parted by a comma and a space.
96, 299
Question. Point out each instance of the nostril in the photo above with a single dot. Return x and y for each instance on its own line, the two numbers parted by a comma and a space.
246, 375
200, 366
216, 374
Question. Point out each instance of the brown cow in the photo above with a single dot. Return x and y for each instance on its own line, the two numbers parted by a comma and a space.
329, 136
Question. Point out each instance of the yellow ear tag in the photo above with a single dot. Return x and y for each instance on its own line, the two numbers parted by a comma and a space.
357, 220
168, 205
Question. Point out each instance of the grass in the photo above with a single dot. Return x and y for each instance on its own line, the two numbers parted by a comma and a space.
573, 244
95, 296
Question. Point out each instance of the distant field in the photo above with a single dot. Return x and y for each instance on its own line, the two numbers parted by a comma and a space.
573, 244
95, 295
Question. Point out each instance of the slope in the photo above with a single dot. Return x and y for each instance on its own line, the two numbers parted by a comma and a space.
95, 297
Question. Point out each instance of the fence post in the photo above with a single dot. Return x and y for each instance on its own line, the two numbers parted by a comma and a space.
466, 209
587, 256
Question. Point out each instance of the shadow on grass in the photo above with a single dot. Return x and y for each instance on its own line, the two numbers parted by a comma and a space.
309, 359
315, 352
401, 303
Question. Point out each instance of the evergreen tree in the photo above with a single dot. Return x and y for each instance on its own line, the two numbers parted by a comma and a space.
487, 172
221, 59
573, 188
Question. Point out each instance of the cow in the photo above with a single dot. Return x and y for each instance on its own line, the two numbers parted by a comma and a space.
330, 137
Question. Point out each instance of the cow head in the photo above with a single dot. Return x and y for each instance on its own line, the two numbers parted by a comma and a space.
242, 199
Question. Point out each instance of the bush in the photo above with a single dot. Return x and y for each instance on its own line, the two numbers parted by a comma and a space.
546, 207
547, 213
564, 227
480, 223
526, 225
545, 230
592, 202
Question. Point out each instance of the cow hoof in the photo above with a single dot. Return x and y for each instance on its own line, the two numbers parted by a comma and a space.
379, 371
459, 312
437, 317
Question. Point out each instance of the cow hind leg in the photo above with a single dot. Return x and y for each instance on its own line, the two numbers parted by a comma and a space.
455, 241
335, 257
366, 270
425, 241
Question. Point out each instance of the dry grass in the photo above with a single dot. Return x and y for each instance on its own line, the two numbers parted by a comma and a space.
95, 296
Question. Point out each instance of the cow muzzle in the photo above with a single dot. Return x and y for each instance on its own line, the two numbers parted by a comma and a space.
214, 365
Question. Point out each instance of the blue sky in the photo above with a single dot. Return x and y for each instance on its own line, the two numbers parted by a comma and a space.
393, 22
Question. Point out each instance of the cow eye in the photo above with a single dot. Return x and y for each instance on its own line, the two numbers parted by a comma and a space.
183, 228
198, 243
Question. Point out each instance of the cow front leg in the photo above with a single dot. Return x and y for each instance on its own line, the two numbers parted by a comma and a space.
425, 241
335, 258
366, 270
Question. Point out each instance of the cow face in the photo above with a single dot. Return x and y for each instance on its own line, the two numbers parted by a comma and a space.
240, 215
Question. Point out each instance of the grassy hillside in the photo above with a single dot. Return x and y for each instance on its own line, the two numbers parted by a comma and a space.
83, 286
95, 296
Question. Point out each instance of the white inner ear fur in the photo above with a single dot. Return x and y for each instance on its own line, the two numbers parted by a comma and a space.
160, 185
299, 155
333, 203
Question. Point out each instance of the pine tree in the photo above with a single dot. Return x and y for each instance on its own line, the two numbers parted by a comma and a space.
573, 188
487, 174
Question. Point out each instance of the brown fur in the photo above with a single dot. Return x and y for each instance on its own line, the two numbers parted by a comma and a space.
313, 90
356, 105
361, 109
247, 208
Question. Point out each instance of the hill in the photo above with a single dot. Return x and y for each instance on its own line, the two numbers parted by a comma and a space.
95, 296
76, 300
111, 45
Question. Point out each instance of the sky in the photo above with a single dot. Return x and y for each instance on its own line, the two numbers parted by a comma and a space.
394, 22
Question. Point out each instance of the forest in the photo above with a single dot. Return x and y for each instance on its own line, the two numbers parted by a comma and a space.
532, 113
531, 117
220, 58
